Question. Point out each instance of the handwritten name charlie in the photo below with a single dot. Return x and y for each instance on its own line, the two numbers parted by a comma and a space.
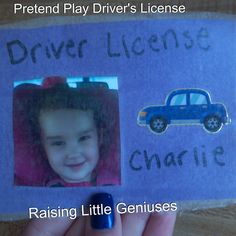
143, 160
110, 45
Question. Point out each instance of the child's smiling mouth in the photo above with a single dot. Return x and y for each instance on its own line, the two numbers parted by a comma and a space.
76, 166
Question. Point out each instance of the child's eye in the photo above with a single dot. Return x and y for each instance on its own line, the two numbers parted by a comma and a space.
58, 143
84, 138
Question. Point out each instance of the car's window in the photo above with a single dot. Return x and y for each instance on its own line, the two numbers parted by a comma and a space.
178, 100
197, 99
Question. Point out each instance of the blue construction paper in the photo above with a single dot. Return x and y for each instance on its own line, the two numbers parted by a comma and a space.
197, 53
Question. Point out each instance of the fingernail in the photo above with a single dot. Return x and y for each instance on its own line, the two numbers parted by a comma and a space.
103, 209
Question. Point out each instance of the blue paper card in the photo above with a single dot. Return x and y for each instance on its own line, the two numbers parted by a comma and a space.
158, 96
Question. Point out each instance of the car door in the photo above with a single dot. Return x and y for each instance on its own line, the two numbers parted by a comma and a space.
178, 107
198, 105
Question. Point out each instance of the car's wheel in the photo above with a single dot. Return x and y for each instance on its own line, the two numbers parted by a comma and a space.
158, 124
212, 123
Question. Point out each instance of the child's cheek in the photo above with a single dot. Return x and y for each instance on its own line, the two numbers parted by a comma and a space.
53, 155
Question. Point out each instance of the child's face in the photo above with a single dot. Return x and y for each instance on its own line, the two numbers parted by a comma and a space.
70, 139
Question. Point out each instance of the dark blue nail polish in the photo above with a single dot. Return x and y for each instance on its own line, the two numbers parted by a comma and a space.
103, 211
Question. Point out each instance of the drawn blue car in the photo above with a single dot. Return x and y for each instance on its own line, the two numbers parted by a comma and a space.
185, 106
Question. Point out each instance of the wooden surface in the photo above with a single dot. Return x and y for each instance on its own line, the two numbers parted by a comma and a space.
211, 222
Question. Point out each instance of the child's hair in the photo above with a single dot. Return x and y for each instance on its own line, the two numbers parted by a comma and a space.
30, 100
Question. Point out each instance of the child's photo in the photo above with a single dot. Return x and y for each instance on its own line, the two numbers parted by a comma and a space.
66, 132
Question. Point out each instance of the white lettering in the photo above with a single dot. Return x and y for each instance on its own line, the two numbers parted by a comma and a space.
97, 8
36, 9
33, 212
83, 213
52, 213
123, 208
17, 7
